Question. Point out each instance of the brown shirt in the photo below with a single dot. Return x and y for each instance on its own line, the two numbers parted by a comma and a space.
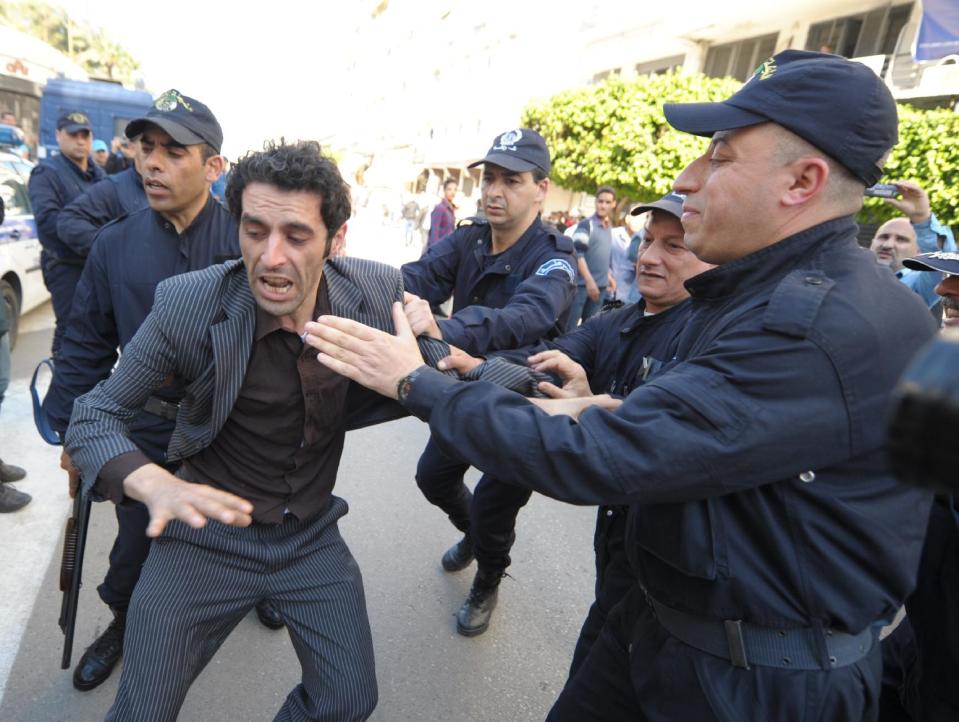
281, 444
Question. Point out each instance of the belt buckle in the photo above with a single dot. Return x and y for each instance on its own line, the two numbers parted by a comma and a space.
736, 643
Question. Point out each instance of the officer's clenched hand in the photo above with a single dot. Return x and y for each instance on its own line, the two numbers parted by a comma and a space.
168, 498
420, 316
73, 476
371, 357
458, 360
571, 373
574, 407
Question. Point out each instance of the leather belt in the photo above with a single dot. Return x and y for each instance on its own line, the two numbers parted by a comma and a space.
164, 409
744, 644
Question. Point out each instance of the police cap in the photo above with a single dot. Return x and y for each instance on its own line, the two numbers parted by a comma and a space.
187, 120
839, 105
518, 150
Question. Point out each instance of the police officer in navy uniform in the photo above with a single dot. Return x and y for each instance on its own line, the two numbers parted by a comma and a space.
116, 195
613, 352
54, 183
183, 229
512, 281
770, 539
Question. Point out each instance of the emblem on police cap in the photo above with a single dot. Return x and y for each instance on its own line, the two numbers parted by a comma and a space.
79, 118
766, 68
170, 100
509, 139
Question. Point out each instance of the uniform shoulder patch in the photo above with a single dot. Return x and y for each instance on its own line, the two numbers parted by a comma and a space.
557, 264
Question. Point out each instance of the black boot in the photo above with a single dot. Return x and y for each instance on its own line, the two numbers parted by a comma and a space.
459, 556
9, 472
473, 617
11, 499
268, 614
102, 656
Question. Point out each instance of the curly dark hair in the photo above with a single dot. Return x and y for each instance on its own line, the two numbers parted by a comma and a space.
300, 166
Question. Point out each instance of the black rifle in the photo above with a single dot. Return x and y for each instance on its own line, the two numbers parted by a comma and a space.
71, 570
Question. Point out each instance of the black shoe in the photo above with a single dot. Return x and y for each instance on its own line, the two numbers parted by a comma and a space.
459, 556
268, 615
473, 617
102, 656
12, 500
8, 473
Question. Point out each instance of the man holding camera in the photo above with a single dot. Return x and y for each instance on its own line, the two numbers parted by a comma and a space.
919, 231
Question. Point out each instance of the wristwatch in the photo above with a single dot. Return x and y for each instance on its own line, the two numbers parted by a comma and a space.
405, 385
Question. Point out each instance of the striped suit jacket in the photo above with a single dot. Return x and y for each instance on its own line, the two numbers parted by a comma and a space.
201, 329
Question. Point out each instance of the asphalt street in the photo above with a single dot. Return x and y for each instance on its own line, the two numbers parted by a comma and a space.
425, 670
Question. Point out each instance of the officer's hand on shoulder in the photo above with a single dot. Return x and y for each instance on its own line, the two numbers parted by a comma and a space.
420, 316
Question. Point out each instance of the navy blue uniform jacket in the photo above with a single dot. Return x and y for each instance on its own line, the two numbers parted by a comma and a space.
500, 301
53, 184
128, 259
755, 462
115, 196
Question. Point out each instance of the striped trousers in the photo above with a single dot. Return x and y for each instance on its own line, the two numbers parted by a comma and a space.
197, 584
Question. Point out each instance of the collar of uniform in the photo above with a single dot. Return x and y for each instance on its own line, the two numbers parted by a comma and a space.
636, 317
487, 240
770, 263
196, 223
267, 323
88, 174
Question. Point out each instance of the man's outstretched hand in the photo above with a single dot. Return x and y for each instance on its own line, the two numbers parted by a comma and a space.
168, 498
373, 358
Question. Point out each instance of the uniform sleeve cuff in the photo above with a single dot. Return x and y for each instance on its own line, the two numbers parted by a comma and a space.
426, 390
110, 482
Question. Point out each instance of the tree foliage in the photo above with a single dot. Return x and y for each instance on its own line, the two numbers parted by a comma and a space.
614, 133
94, 50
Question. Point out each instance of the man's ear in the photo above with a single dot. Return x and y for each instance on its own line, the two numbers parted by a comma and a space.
336, 246
808, 179
543, 190
214, 168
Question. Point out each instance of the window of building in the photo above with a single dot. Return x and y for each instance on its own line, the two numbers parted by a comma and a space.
739, 59
855, 36
658, 67
600, 77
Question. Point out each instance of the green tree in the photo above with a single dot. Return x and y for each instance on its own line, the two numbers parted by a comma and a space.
614, 133
91, 48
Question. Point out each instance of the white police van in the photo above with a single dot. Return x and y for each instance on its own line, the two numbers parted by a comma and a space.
21, 282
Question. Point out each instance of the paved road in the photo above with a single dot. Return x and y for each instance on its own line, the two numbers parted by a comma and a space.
425, 670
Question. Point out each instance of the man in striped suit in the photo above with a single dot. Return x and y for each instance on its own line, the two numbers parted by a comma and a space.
250, 513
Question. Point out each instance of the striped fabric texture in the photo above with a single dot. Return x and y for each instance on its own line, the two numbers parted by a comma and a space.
201, 329
188, 600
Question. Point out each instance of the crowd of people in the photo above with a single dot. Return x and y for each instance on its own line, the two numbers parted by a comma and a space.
716, 384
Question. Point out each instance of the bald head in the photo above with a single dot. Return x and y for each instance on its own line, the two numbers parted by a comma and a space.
894, 241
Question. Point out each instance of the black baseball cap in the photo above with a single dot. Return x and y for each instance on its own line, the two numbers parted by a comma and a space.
519, 150
73, 121
944, 261
671, 203
840, 106
187, 120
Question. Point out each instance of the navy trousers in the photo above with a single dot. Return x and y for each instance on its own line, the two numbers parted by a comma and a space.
614, 578
197, 584
127, 556
61, 279
440, 478
637, 671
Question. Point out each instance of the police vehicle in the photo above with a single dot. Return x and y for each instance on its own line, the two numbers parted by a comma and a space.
21, 283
